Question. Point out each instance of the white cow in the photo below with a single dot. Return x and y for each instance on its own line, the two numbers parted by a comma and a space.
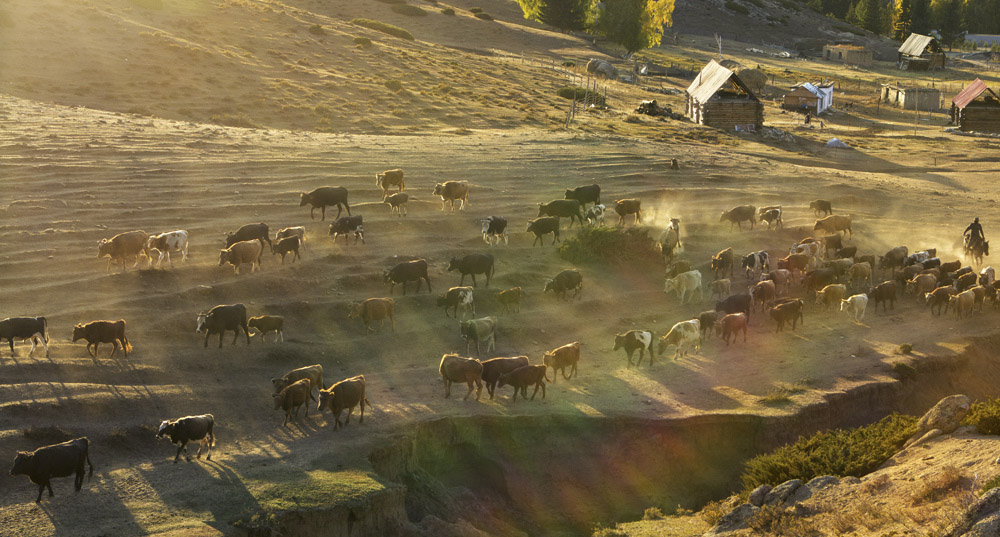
684, 283
595, 215
683, 336
855, 305
987, 276
164, 243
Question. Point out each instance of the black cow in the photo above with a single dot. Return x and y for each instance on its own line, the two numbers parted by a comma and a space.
562, 208
325, 196
493, 368
494, 229
285, 246
567, 280
249, 232
882, 293
346, 225
183, 430
473, 264
735, 304
23, 328
408, 271
543, 226
815, 280
58, 460
223, 318
585, 194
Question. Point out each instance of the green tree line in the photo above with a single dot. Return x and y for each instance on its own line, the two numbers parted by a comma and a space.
898, 18
633, 24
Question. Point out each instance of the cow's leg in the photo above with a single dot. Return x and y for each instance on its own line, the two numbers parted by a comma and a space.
222, 334
114, 347
246, 331
447, 388
236, 334
312, 213
206, 338
474, 284
535, 392
41, 488
348, 419
470, 383
180, 448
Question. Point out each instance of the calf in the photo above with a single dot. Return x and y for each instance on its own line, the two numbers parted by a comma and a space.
390, 178
833, 224
249, 232
738, 215
625, 207
720, 288
374, 309
963, 303
755, 263
882, 293
831, 295
407, 271
683, 336
397, 203
782, 278
24, 328
123, 245
98, 332
683, 284
452, 191
57, 460
187, 429
471, 265
268, 323
585, 194
772, 216
567, 280
562, 209
678, 267
633, 340
492, 369
706, 321
345, 394
763, 292
323, 197
794, 262
543, 226
722, 262
510, 297
457, 297
295, 231
846, 252
522, 377
855, 306
223, 318
286, 246
479, 330
454, 368
821, 206
347, 225
893, 258
595, 215
833, 242
788, 312
814, 280
559, 359
242, 253
171, 241
292, 397
314, 373
495, 229
732, 324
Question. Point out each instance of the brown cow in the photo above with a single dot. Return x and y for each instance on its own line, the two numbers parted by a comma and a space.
511, 297
345, 394
374, 309
455, 368
242, 253
493, 368
559, 359
98, 332
452, 191
835, 223
732, 324
523, 377
292, 397
625, 207
122, 245
788, 311
389, 179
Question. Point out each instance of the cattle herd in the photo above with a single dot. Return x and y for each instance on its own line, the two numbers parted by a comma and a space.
822, 268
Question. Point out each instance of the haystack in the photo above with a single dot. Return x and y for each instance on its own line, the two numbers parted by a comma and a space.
754, 79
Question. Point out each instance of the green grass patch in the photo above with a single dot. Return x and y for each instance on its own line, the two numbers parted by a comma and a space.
840, 452
393, 85
385, 28
448, 11
569, 92
409, 10
985, 416
317, 488
737, 7
362, 41
991, 484
610, 246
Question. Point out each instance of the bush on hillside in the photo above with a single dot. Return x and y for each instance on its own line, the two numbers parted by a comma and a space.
568, 92
610, 245
380, 26
316, 29
408, 10
475, 10
393, 85
448, 11
484, 16
985, 416
362, 42
737, 7
840, 452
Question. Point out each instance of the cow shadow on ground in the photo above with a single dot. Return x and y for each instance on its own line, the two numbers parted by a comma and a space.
100, 499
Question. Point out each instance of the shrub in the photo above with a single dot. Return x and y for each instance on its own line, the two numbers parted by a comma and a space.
393, 85
840, 452
905, 348
608, 532
484, 16
235, 120
737, 7
652, 513
475, 10
993, 483
380, 26
568, 64
904, 370
985, 416
610, 245
362, 41
316, 29
448, 11
408, 10
714, 511
938, 486
776, 520
568, 92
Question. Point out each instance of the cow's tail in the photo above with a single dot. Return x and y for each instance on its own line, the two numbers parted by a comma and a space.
45, 329
546, 374
369, 403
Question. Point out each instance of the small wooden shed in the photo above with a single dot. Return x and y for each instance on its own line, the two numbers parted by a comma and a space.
816, 98
848, 53
909, 98
718, 98
973, 114
921, 53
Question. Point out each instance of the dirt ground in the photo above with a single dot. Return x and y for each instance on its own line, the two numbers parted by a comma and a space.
72, 174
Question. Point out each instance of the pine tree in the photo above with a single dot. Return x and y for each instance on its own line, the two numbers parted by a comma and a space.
901, 20
868, 14
634, 24
565, 15
920, 16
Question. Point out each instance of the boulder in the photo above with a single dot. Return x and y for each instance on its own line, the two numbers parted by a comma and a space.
758, 495
806, 491
779, 494
737, 519
602, 67
945, 416
980, 518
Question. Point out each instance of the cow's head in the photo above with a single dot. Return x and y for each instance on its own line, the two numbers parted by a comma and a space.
541, 209
668, 284
23, 463
202, 321
78, 333
818, 225
303, 198
619, 341
442, 300
378, 178
453, 264
278, 399
103, 248
223, 257
325, 397
166, 428
549, 286
438, 189
279, 384
549, 359
723, 217
666, 341
486, 225
502, 381
569, 194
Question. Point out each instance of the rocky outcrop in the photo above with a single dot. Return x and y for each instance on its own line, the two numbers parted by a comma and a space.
788, 495
982, 519
942, 418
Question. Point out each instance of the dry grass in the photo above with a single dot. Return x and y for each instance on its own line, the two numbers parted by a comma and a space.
945, 483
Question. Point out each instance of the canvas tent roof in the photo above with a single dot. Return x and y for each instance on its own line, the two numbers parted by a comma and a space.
971, 93
915, 44
711, 79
